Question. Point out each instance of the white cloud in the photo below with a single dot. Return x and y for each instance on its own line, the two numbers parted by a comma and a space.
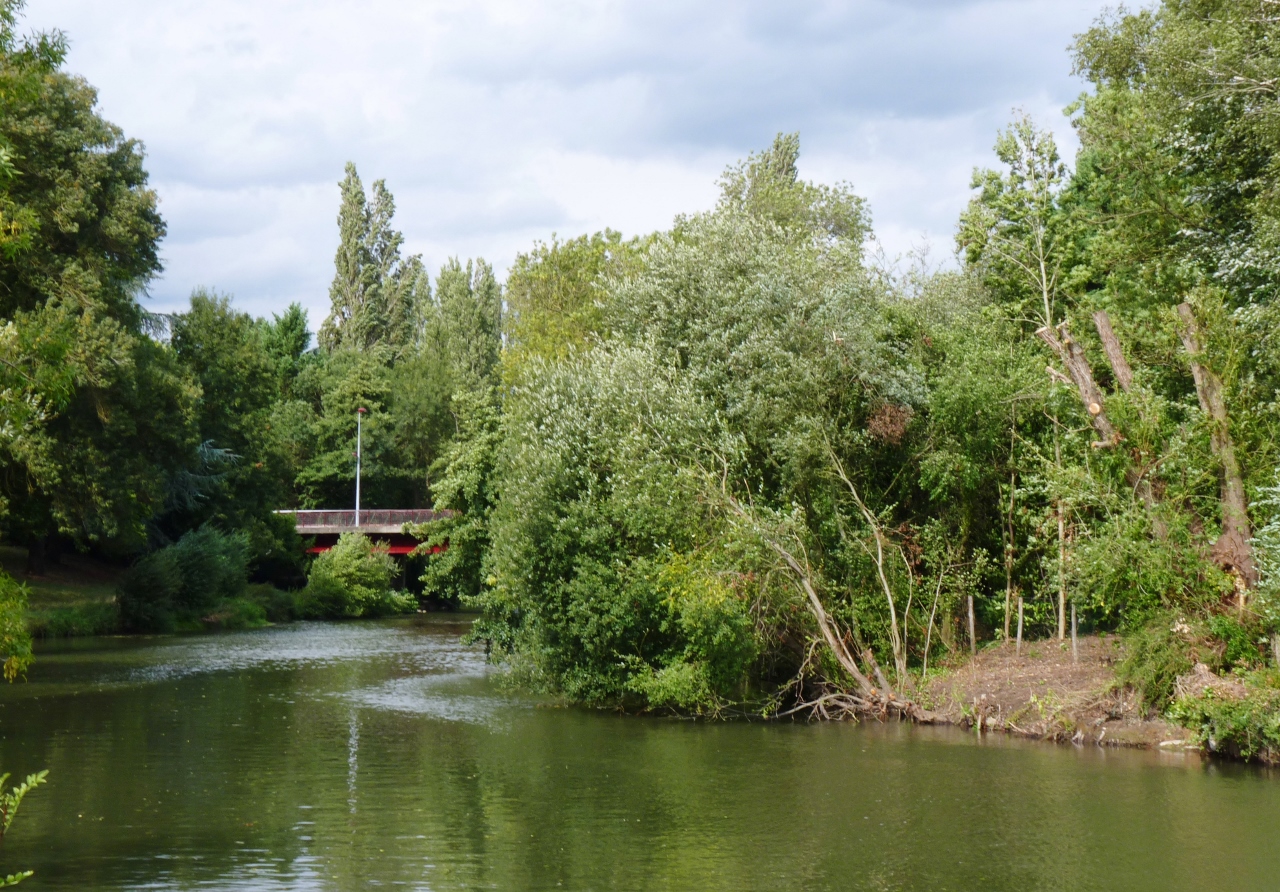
498, 122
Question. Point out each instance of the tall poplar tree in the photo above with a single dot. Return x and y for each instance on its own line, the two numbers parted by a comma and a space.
376, 294
468, 321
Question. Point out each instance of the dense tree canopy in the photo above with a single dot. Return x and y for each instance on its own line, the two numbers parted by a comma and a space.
733, 465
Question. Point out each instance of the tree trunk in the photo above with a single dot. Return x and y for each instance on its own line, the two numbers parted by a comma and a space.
38, 555
1124, 377
1008, 557
1234, 549
1062, 543
1111, 346
1078, 368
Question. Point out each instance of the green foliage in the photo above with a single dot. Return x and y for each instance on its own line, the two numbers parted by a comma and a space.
1239, 641
1156, 655
590, 498
276, 605
554, 295
15, 640
767, 186
713, 621
377, 297
1169, 646
9, 802
456, 546
177, 586
236, 613
352, 579
95, 414
1246, 727
1156, 575
1012, 229
77, 621
229, 356
465, 324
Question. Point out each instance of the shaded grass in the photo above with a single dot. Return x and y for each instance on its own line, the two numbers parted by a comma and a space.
77, 596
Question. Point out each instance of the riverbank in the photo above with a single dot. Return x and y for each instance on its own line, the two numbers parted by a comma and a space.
1045, 694
73, 597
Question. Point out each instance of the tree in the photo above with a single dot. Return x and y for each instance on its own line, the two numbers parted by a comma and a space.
102, 414
1012, 232
555, 294
467, 321
286, 339
229, 354
377, 296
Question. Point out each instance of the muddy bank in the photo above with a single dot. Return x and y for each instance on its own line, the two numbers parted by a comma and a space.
1044, 694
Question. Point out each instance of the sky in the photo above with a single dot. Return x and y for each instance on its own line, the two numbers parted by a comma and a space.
497, 123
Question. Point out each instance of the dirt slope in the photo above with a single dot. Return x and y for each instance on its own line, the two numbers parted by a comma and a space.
1044, 693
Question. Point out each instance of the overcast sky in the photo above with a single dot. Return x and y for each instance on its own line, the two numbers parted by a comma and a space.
499, 122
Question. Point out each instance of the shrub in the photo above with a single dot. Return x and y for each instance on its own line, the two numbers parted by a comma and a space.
1247, 727
1157, 655
237, 613
15, 640
352, 579
277, 606
178, 585
712, 622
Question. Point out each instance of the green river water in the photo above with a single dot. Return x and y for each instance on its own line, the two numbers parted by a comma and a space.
371, 755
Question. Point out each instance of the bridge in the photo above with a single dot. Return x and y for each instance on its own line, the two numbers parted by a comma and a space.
383, 525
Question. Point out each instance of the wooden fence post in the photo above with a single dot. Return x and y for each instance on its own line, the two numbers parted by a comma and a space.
1018, 650
1075, 654
973, 641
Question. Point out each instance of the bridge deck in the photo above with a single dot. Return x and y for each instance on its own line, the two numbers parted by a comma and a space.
373, 521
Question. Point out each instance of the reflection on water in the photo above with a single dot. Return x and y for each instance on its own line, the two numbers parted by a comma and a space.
380, 754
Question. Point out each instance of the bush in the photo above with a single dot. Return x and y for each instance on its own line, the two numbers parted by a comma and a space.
237, 613
352, 579
714, 625
1157, 655
15, 640
177, 586
1247, 727
277, 606
1170, 647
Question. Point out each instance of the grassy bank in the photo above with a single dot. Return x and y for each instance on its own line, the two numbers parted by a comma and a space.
76, 596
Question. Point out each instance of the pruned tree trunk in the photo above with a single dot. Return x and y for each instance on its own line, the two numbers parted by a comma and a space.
1123, 373
1234, 549
1115, 355
1082, 376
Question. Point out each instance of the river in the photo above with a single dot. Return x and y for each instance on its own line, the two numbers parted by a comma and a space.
370, 755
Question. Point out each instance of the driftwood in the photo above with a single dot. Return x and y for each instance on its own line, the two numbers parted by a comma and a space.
1233, 551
